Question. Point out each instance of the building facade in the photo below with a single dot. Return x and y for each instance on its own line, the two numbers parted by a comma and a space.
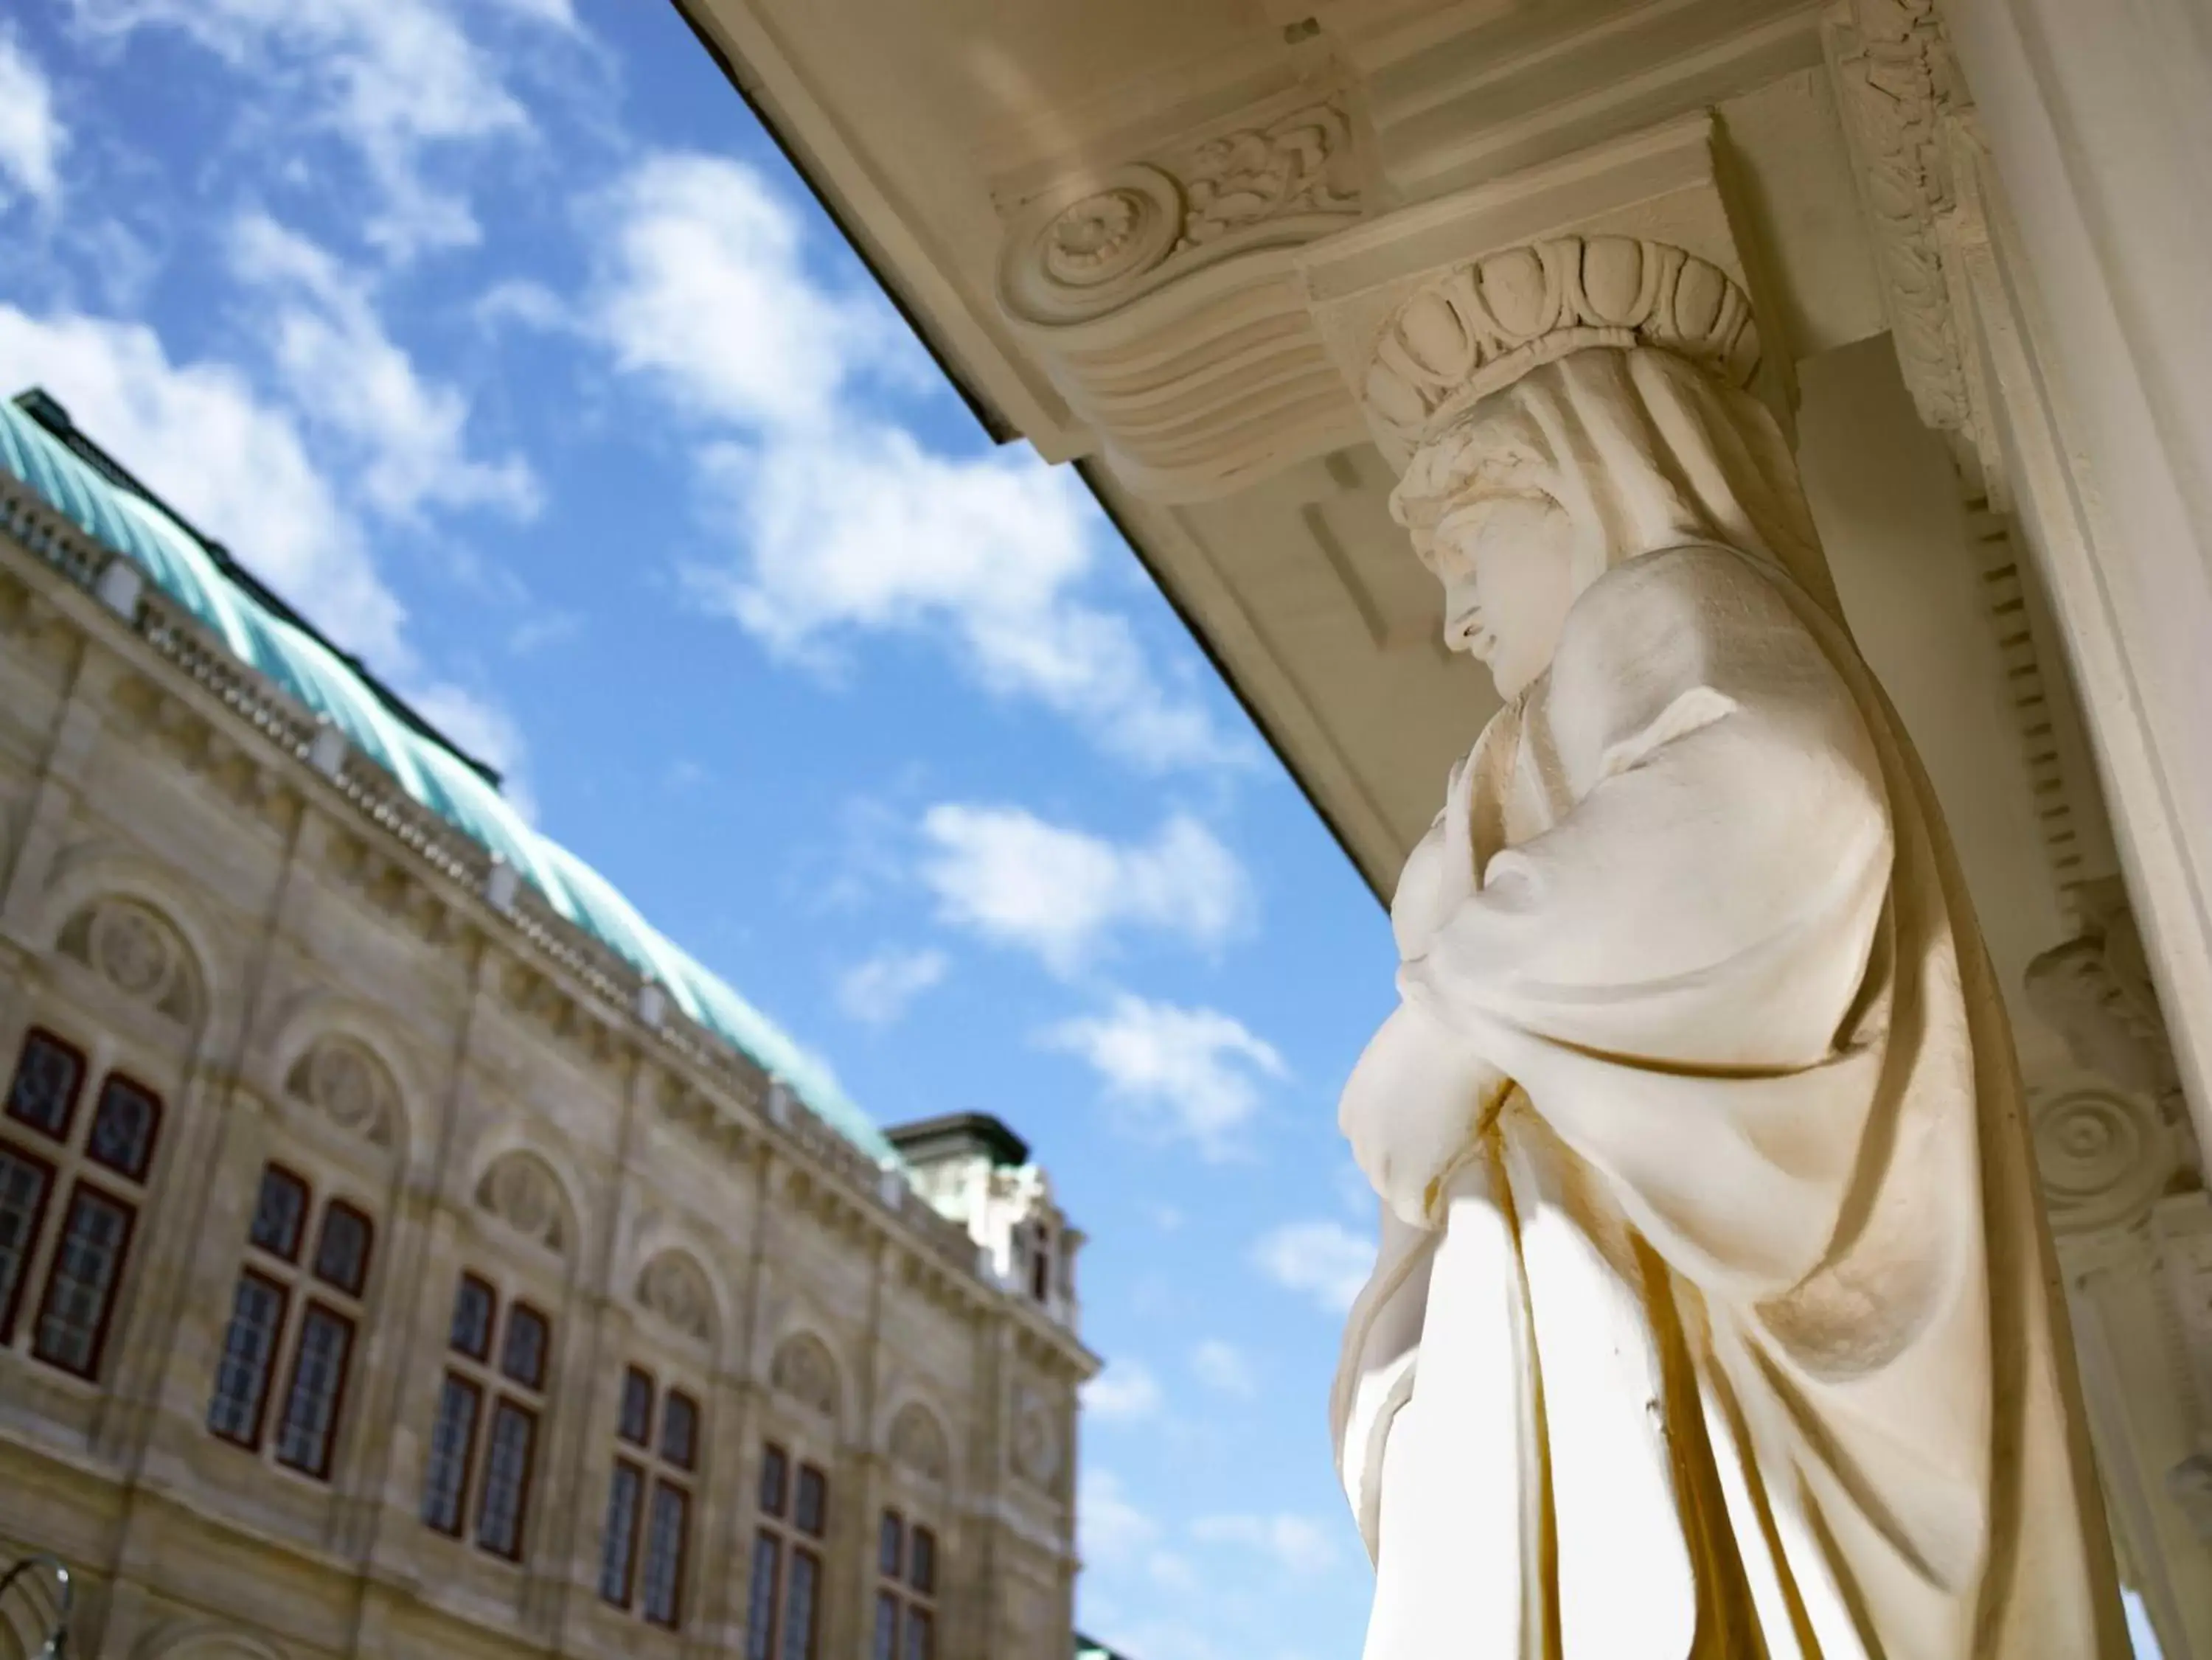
403, 1250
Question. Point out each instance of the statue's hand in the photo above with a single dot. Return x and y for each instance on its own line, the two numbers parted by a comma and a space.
1412, 1107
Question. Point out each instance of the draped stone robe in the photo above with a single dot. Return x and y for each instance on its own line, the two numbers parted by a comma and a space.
1735, 1338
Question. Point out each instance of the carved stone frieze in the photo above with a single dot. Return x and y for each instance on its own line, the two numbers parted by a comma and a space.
1096, 243
1891, 64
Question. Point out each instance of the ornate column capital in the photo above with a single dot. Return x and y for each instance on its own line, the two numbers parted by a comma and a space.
1430, 310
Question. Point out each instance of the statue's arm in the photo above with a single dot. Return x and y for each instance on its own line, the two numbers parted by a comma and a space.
1710, 897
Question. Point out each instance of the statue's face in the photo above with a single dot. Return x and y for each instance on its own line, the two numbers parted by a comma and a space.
1506, 563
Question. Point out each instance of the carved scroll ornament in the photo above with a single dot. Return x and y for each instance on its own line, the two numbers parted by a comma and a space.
1095, 245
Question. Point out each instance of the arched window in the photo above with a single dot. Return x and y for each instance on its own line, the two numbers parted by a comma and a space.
646, 1542
906, 1590
483, 1440
784, 1605
316, 1256
102, 1162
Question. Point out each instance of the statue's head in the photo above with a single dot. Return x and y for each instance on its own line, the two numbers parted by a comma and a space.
1486, 520
1558, 408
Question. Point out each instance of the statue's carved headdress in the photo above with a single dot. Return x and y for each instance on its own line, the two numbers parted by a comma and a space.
1481, 326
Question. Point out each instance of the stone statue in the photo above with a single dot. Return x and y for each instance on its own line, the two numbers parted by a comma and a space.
1710, 1317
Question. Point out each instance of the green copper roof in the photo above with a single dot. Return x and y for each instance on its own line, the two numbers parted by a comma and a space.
251, 623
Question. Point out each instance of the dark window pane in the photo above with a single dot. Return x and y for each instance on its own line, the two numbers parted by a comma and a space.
81, 1286
887, 1627
249, 1351
798, 1607
775, 1476
341, 1252
124, 1125
890, 1546
679, 1430
1040, 1266
921, 1635
43, 1092
618, 1539
506, 1480
453, 1439
522, 1354
473, 1304
311, 1404
922, 1574
664, 1553
24, 1182
922, 1569
280, 1213
636, 1426
812, 1511
761, 1597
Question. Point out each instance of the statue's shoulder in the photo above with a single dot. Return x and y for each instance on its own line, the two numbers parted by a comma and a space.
1690, 574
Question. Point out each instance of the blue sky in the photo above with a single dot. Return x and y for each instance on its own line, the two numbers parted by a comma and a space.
495, 335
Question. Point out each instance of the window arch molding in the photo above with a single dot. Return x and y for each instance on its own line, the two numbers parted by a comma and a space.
916, 1442
808, 1383
94, 873
319, 1023
527, 1185
678, 1289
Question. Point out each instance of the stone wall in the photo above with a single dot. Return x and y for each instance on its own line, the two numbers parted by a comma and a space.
306, 974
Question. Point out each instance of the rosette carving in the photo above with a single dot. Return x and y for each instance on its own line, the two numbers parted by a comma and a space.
2104, 1158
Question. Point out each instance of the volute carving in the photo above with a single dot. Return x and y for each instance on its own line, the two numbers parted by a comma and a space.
1096, 243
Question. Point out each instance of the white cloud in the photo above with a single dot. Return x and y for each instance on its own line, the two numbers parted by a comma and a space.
866, 532
1126, 1391
236, 467
525, 303
1323, 1260
877, 991
704, 290
1114, 1530
1016, 880
346, 374
31, 135
1224, 1368
396, 80
1190, 1075
1301, 1544
845, 525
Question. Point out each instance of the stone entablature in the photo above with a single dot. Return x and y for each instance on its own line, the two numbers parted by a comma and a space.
309, 972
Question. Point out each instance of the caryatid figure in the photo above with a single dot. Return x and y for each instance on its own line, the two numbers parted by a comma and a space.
1711, 1317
